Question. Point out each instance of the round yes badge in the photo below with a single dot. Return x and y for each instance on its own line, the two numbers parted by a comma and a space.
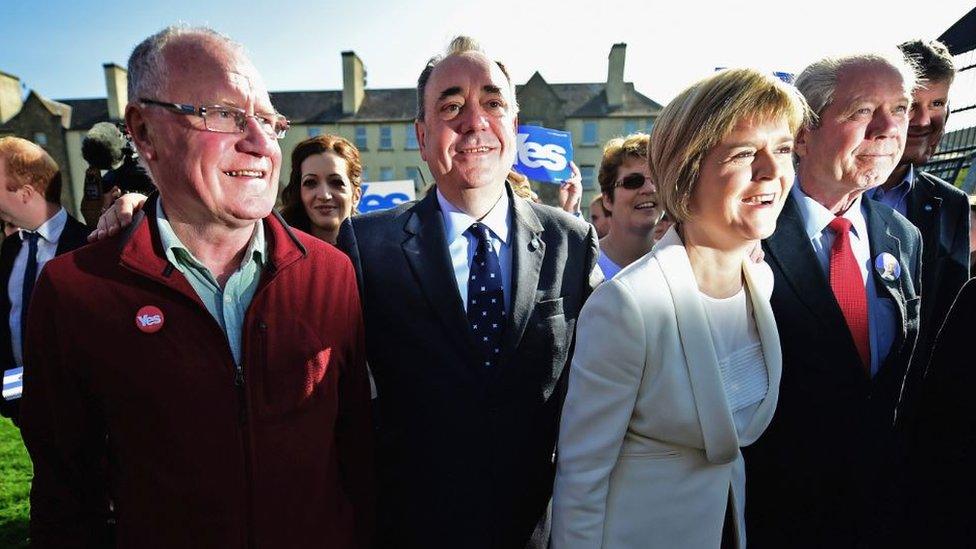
887, 266
149, 319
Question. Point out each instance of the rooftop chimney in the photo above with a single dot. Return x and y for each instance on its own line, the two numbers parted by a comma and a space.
353, 82
10, 99
615, 75
116, 86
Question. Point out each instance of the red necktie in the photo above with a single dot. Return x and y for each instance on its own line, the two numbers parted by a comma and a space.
848, 287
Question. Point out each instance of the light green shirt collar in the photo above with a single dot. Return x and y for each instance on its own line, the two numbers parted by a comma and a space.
180, 256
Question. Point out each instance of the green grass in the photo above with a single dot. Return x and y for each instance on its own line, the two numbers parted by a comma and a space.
15, 478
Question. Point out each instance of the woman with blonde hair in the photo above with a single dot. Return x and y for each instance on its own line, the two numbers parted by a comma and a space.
677, 360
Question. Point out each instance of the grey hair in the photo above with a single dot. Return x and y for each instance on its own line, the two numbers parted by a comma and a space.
459, 45
147, 69
818, 81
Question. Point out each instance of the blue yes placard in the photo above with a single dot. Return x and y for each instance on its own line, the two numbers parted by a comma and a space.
544, 154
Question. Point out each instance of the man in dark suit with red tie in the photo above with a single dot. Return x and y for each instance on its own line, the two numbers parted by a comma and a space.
30, 198
846, 302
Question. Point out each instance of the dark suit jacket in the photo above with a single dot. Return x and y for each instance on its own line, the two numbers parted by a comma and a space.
943, 450
818, 476
941, 213
74, 235
466, 454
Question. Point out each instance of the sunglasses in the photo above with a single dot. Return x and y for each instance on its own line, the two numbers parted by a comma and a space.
632, 181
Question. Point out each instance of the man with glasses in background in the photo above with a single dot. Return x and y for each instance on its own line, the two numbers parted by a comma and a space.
233, 409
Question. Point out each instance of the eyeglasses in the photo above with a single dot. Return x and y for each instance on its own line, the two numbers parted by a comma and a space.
632, 181
223, 119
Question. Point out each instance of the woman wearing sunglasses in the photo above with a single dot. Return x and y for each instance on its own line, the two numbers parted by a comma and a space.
631, 199
677, 360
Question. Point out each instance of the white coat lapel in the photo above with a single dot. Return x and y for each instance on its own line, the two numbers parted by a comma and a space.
759, 281
715, 419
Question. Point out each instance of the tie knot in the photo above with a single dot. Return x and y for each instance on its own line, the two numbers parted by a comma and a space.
30, 236
480, 231
840, 225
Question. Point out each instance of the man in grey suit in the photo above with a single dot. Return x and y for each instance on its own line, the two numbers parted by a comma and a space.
846, 302
939, 210
471, 297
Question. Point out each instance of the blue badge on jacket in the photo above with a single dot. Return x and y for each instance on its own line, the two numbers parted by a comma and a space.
544, 154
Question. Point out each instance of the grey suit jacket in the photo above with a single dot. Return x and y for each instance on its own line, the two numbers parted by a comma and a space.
824, 474
466, 454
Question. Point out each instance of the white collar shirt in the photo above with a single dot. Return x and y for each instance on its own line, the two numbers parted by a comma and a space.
47, 247
882, 311
462, 245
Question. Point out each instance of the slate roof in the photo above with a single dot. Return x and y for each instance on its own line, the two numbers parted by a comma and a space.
85, 113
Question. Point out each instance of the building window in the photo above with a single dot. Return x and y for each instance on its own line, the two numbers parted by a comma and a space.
589, 133
365, 176
361, 138
386, 137
649, 126
588, 172
413, 173
630, 126
40, 138
386, 174
411, 137
314, 132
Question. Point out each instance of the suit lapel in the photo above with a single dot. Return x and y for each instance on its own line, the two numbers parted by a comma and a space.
715, 419
74, 235
528, 251
759, 281
425, 249
791, 250
923, 211
883, 241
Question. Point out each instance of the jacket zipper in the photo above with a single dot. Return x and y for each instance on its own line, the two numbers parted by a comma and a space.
242, 401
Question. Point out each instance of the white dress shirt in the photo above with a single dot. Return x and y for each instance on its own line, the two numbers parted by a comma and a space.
47, 246
882, 312
462, 245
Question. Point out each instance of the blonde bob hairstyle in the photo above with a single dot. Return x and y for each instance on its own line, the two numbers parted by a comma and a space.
704, 114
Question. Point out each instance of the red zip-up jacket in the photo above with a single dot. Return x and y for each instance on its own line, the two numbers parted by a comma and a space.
190, 451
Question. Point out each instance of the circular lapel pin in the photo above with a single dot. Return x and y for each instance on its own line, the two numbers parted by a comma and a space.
149, 319
887, 266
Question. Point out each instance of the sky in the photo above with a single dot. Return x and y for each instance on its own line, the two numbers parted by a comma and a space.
58, 47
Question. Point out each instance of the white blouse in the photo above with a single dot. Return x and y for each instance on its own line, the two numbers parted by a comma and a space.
740, 354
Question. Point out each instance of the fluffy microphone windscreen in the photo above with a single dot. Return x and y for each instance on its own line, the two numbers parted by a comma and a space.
102, 146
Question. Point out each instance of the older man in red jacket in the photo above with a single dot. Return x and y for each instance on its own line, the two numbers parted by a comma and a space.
217, 393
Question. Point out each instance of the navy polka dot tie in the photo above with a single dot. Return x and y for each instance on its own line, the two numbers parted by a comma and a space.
486, 297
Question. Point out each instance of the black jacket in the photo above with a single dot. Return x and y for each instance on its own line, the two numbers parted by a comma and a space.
943, 450
465, 454
822, 473
74, 235
941, 213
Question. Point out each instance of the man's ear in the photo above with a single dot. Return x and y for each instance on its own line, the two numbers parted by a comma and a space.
607, 201
135, 122
25, 193
800, 143
421, 131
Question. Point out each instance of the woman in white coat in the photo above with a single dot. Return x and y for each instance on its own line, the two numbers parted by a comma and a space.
677, 360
